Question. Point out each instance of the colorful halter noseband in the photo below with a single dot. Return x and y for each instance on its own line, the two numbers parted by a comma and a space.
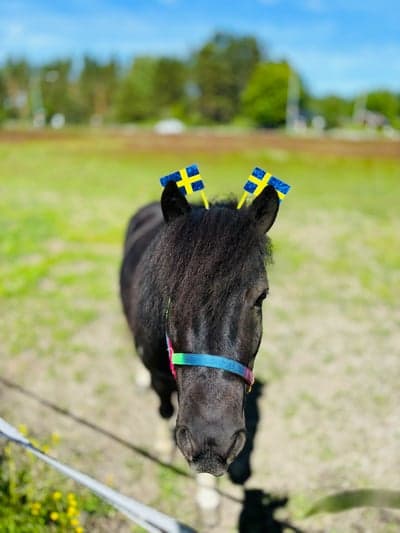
210, 361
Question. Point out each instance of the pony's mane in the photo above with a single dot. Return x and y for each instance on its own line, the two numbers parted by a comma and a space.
239, 224
221, 244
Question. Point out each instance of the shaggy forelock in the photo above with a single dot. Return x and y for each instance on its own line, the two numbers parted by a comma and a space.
212, 244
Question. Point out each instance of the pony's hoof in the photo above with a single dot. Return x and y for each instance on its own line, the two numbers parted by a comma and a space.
239, 472
166, 410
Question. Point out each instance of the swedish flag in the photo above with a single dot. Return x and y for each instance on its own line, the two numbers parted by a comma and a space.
281, 187
187, 179
258, 180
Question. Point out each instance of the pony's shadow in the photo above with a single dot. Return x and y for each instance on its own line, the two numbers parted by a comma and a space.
257, 514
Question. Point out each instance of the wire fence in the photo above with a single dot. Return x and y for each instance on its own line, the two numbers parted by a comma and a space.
109, 434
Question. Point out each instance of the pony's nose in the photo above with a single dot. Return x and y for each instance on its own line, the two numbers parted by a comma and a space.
238, 443
185, 442
208, 453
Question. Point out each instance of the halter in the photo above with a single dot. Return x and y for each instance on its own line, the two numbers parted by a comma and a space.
210, 361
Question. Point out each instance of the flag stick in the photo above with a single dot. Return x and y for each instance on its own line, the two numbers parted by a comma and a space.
204, 198
242, 200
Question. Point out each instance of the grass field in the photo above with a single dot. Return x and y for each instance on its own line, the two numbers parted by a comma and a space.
331, 349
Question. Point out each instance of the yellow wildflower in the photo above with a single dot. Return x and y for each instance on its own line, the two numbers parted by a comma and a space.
35, 508
72, 511
23, 429
55, 438
74, 522
54, 516
57, 495
71, 498
79, 529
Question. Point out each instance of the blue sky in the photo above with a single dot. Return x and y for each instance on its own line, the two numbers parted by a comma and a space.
340, 46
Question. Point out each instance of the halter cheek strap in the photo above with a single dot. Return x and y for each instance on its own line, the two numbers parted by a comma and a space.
210, 361
170, 356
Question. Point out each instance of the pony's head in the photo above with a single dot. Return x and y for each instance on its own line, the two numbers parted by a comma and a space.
214, 284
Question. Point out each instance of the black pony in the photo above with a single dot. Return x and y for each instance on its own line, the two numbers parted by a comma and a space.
199, 276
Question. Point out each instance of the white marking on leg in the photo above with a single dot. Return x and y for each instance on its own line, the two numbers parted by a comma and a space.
164, 442
207, 499
142, 375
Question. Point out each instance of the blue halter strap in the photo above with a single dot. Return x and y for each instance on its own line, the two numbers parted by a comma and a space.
210, 361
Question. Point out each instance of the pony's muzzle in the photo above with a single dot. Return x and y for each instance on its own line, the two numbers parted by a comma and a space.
213, 455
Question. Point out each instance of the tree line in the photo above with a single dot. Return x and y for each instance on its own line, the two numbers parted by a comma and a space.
228, 79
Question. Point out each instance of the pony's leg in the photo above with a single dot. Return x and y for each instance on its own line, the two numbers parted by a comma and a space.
164, 387
208, 499
164, 442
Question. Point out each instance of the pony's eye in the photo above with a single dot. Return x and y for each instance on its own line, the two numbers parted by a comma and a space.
260, 299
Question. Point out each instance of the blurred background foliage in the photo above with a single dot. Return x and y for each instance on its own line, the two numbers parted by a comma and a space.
229, 79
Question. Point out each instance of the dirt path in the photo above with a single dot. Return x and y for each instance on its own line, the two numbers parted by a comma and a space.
200, 141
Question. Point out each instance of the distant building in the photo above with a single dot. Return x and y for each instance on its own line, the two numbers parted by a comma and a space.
169, 126
372, 119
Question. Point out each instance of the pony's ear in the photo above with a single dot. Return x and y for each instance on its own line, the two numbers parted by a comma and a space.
173, 203
265, 208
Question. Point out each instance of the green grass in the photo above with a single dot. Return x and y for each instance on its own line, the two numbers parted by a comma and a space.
64, 205
27, 505
65, 202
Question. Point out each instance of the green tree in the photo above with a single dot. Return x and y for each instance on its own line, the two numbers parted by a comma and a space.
265, 97
3, 95
17, 74
134, 101
221, 70
55, 87
384, 102
170, 78
97, 85
335, 110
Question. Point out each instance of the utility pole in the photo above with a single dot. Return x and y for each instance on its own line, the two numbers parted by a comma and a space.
37, 109
360, 106
292, 103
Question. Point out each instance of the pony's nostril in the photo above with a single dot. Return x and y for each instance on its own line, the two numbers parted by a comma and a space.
184, 441
239, 441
